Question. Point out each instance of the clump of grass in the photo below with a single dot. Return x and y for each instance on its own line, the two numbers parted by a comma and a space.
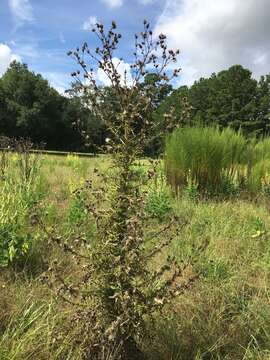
259, 177
258, 167
203, 156
262, 150
32, 332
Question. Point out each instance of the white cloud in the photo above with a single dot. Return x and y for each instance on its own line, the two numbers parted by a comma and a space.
89, 23
60, 81
123, 69
6, 57
113, 3
213, 35
22, 11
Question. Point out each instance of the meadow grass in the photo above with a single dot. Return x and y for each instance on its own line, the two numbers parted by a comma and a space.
224, 315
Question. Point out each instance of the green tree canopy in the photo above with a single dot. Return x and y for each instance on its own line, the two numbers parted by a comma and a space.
230, 98
31, 108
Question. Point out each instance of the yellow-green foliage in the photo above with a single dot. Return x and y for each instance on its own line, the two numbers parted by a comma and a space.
14, 242
262, 150
204, 156
259, 177
158, 199
258, 165
20, 189
76, 163
73, 161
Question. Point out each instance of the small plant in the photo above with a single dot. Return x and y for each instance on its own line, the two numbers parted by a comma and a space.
77, 212
50, 212
158, 201
192, 189
258, 227
230, 187
214, 270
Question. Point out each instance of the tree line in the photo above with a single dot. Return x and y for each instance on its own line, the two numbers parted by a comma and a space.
31, 108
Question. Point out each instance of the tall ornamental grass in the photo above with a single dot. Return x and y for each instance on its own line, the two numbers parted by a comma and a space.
258, 166
262, 150
205, 156
259, 177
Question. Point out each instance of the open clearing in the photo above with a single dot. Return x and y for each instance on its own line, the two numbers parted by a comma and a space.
225, 314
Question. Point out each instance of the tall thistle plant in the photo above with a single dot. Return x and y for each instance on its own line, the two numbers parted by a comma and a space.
119, 289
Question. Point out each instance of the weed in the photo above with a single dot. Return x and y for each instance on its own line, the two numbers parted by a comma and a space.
158, 200
119, 289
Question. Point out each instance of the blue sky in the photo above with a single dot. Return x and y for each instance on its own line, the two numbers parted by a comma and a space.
212, 34
43, 31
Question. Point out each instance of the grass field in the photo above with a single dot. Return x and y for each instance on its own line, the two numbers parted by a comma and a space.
225, 314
